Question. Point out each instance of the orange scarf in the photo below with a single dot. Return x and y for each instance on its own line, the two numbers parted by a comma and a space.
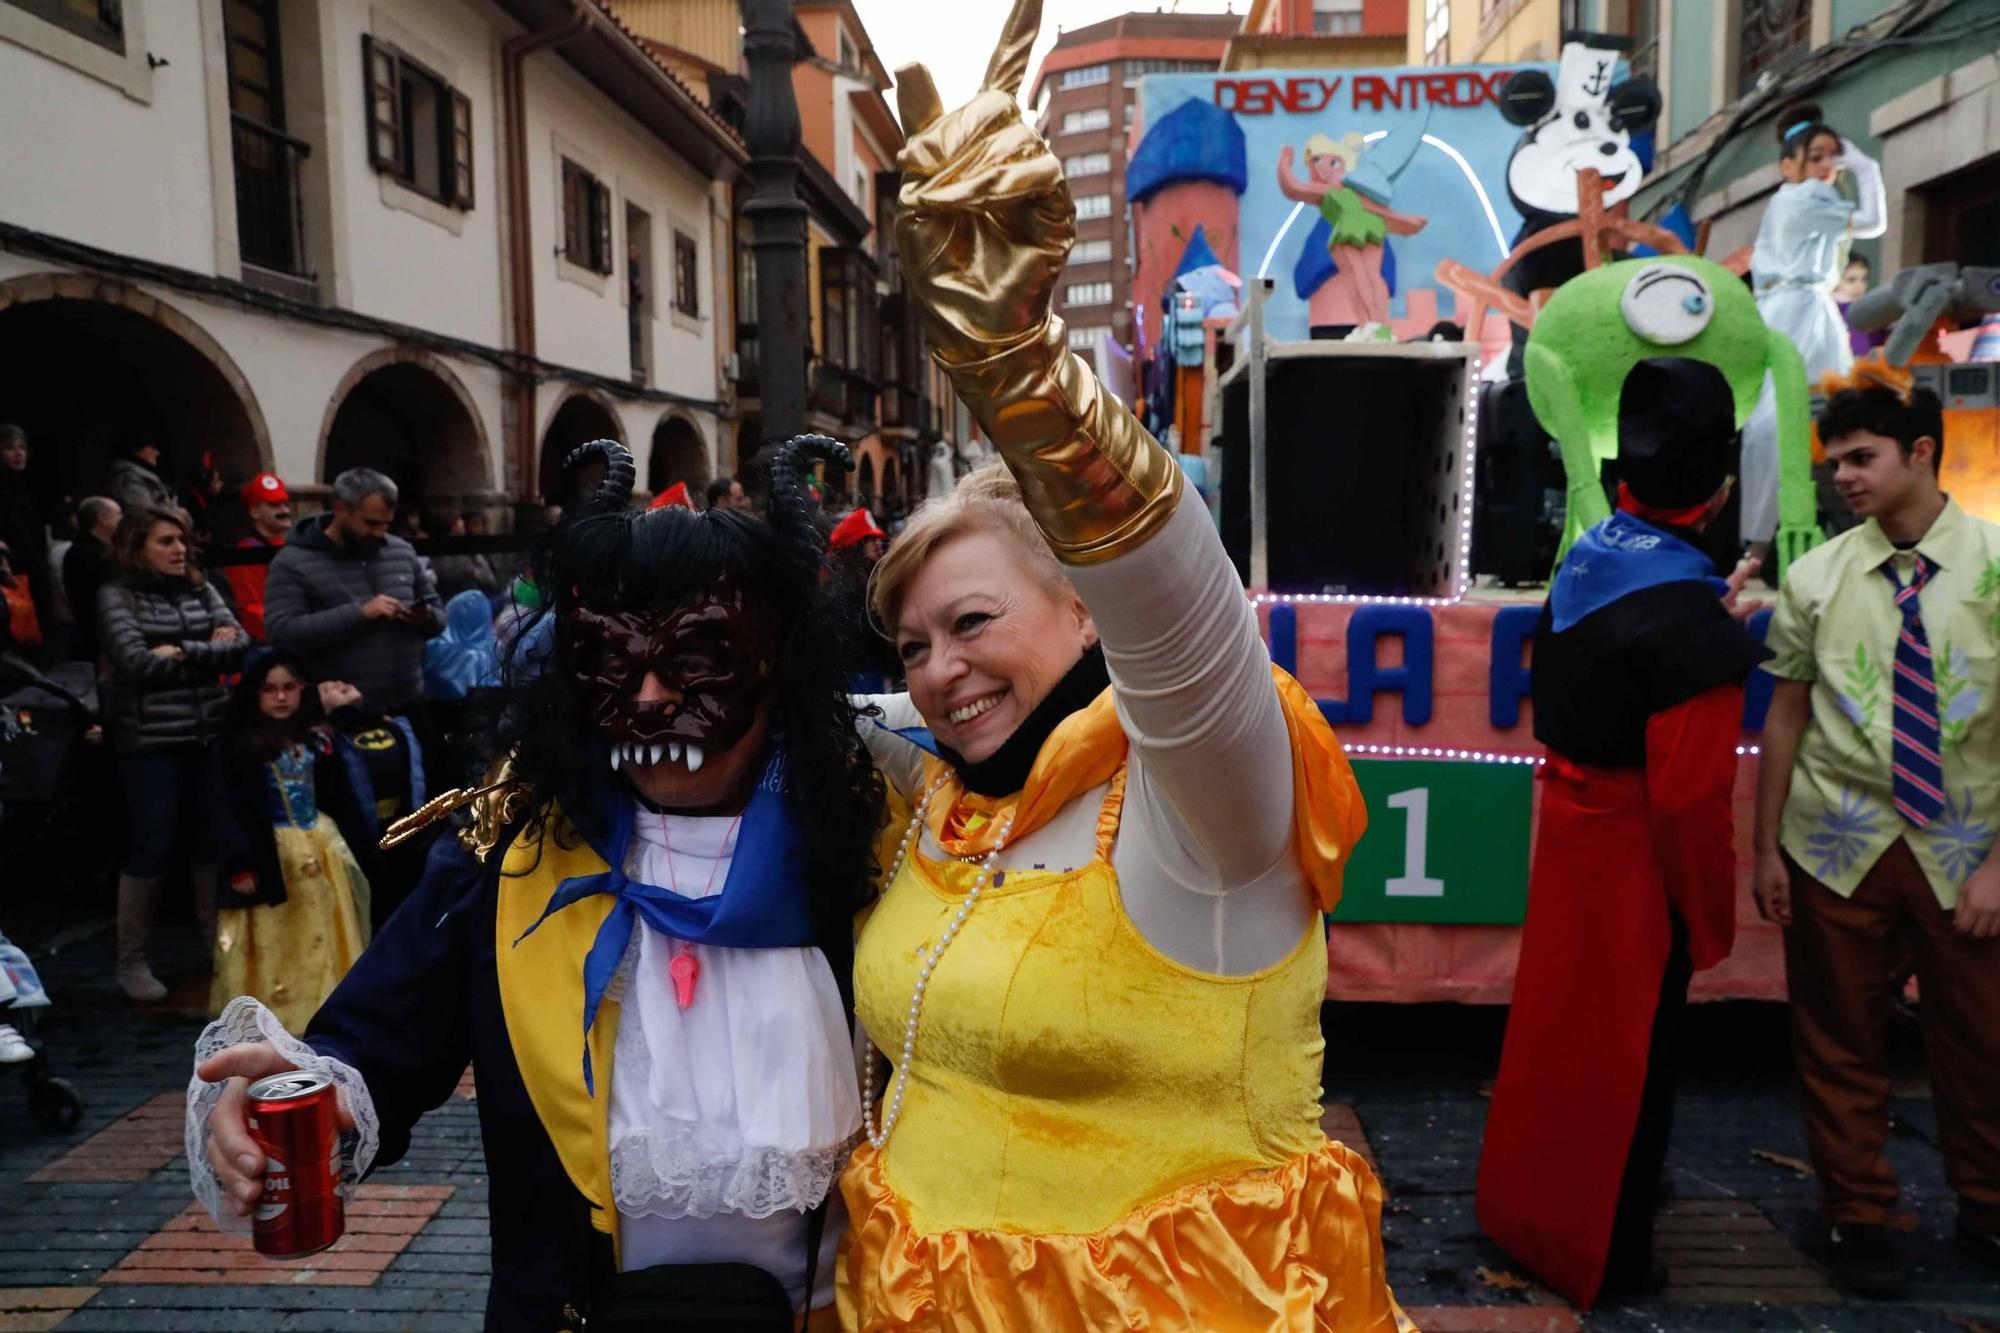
1088, 748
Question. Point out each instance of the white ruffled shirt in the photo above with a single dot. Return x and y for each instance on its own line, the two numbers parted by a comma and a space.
732, 1117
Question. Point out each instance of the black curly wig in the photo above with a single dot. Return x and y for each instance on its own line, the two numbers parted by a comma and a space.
616, 558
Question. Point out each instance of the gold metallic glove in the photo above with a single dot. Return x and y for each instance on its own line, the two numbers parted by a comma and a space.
984, 225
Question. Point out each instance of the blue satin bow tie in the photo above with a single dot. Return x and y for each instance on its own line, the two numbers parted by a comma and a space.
762, 904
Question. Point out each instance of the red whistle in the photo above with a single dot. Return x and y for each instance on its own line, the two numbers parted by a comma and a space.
684, 969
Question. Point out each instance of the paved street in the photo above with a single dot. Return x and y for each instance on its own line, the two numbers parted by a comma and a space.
96, 1230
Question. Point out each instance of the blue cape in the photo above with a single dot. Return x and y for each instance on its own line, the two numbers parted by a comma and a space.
1618, 557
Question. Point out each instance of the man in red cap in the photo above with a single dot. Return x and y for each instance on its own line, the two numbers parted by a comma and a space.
269, 506
859, 529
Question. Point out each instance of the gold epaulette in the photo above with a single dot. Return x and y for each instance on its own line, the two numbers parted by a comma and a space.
500, 802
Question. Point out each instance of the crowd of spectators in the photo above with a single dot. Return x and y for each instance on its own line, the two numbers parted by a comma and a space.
275, 689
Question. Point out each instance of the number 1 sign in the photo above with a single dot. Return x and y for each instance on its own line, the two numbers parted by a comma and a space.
1447, 843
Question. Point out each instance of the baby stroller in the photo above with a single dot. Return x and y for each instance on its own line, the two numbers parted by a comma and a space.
54, 1102
44, 724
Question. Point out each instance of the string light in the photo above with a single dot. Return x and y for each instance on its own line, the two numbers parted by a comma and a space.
1366, 750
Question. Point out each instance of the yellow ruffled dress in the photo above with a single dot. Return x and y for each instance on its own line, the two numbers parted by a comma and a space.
1094, 1136
291, 955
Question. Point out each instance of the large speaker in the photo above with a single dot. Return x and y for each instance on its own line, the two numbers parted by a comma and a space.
1368, 449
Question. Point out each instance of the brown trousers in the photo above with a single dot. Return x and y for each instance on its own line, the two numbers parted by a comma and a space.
1843, 957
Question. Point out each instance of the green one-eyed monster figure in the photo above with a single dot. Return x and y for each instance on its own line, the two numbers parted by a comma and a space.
1602, 323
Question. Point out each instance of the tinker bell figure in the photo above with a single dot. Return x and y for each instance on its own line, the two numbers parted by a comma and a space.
1351, 186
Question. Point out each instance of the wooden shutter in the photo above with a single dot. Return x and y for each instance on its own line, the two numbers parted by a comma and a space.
385, 106
600, 226
458, 181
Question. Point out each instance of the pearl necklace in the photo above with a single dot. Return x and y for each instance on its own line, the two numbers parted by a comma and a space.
893, 1108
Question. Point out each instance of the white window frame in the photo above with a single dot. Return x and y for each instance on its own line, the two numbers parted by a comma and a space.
1090, 206
1344, 18
1086, 120
1085, 337
1085, 76
130, 73
1094, 251
1086, 164
1087, 293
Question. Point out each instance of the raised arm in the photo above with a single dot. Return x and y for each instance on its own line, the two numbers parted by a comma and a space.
1871, 209
1294, 187
984, 228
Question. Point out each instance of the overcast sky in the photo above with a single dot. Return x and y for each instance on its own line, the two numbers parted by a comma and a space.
955, 37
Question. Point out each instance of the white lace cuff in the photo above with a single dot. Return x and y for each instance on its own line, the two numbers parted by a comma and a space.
671, 1173
245, 1020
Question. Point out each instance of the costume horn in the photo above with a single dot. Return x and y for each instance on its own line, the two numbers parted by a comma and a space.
615, 491
789, 506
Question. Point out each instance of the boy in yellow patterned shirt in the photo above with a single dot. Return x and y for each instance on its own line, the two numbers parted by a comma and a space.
1878, 805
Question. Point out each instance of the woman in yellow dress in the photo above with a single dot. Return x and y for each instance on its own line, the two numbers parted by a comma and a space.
1097, 966
288, 819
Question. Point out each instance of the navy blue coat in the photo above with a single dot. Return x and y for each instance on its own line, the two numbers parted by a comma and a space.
423, 1003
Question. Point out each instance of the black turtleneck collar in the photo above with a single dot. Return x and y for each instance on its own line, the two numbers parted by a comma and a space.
1005, 771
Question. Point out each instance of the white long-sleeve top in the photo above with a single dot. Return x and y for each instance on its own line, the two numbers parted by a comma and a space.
1204, 854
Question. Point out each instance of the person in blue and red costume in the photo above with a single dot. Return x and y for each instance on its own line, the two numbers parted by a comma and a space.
1638, 694
642, 943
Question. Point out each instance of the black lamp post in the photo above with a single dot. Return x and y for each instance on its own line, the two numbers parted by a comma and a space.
778, 221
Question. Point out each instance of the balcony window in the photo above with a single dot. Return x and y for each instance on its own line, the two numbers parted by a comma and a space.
1437, 32
1136, 70
639, 290
1088, 293
848, 315
420, 127
99, 21
270, 225
1090, 252
1772, 30
1093, 206
586, 216
1087, 77
1086, 164
1640, 21
687, 275
1337, 18
1080, 122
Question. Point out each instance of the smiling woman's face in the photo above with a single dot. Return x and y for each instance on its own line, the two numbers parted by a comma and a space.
983, 639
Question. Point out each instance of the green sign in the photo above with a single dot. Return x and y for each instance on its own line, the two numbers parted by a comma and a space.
1447, 843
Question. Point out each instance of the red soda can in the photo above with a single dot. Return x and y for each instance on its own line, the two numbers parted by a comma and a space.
295, 1120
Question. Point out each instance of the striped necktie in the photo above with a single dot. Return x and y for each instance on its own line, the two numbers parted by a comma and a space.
1918, 771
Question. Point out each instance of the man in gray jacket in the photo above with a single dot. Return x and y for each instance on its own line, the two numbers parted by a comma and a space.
354, 601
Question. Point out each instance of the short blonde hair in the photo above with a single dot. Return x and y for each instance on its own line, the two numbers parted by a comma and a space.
1347, 148
986, 499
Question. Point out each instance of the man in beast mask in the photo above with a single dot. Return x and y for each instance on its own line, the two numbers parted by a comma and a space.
642, 943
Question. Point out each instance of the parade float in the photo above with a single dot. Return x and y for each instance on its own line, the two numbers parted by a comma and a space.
1394, 569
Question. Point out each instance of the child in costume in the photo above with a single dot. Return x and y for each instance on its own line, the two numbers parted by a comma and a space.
1098, 963
1878, 797
1638, 692
640, 944
292, 819
1800, 255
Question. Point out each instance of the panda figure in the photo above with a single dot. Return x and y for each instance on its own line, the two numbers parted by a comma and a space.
1579, 119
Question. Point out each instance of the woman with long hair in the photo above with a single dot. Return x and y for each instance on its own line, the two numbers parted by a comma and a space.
1795, 266
168, 636
642, 943
293, 828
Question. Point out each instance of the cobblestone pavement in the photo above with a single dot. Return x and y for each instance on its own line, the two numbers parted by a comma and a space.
97, 1232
